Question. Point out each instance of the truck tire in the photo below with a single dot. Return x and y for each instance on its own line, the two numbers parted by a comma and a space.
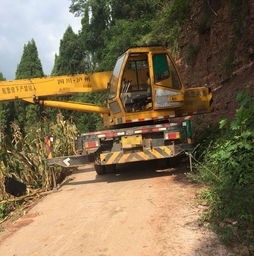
100, 169
111, 168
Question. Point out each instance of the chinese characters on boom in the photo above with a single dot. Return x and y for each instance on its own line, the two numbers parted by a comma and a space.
18, 89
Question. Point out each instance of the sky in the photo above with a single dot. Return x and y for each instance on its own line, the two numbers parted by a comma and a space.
43, 20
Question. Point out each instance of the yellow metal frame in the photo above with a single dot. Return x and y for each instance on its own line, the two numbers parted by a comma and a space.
53, 86
79, 106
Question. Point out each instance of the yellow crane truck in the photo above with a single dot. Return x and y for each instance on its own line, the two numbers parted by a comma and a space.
145, 94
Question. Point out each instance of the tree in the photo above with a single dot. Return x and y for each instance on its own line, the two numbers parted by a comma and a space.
2, 78
30, 64
111, 26
95, 23
54, 70
71, 58
29, 67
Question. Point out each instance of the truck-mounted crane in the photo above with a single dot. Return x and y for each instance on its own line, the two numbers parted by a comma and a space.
145, 95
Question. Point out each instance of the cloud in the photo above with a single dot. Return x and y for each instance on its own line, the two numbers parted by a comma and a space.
44, 21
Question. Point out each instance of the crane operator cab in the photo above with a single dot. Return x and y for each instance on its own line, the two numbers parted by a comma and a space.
144, 80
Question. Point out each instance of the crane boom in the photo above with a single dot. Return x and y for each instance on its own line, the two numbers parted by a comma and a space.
78, 106
51, 86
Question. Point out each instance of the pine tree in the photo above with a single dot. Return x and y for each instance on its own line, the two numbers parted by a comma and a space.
71, 57
29, 67
54, 71
2, 77
95, 21
30, 64
71, 60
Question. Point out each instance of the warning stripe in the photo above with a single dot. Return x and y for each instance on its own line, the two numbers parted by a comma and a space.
113, 157
108, 157
162, 152
149, 118
117, 159
123, 159
147, 154
165, 117
157, 154
150, 154
168, 151
91, 136
143, 155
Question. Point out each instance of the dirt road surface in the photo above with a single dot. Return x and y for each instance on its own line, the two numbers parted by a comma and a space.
141, 211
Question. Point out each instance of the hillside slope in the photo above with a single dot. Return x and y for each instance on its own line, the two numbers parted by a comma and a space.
217, 49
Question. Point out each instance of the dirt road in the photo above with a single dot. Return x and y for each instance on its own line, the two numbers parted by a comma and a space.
141, 211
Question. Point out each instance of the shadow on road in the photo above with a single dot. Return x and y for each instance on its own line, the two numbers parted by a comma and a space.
177, 166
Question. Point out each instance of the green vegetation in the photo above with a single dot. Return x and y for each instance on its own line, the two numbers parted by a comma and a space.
226, 166
30, 64
2, 77
25, 157
71, 57
6, 208
167, 22
23, 130
110, 27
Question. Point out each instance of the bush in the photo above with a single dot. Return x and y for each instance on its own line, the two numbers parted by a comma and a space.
167, 23
227, 167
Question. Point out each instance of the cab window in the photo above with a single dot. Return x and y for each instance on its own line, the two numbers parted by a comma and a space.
115, 77
160, 67
165, 73
136, 93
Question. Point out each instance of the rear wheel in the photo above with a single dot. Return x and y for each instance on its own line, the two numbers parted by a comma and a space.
111, 168
100, 169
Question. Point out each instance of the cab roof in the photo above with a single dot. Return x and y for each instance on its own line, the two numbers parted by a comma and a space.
145, 49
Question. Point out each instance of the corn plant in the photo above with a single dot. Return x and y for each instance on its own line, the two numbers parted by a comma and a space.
24, 156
